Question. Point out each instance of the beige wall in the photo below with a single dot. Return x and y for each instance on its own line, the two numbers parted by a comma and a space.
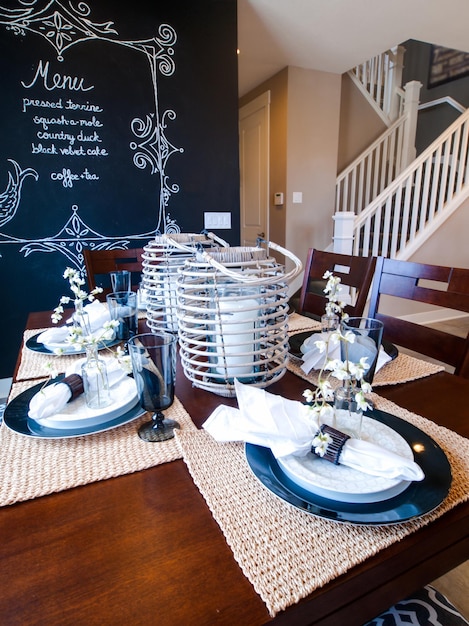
449, 245
313, 137
360, 125
304, 134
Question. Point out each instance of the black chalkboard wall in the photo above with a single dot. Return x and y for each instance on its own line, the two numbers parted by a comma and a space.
117, 120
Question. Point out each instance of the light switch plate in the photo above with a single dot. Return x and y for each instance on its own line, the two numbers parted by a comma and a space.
297, 197
217, 221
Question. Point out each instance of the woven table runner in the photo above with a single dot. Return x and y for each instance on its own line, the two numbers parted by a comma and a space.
286, 553
32, 467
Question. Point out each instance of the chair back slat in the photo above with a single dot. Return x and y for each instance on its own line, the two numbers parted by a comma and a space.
354, 272
433, 285
98, 264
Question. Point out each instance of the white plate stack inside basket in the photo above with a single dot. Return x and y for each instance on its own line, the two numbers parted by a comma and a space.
162, 257
232, 317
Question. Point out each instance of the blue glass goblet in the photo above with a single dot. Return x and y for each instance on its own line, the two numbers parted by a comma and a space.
154, 368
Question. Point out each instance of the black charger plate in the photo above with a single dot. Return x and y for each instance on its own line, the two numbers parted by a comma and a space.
16, 419
419, 498
296, 341
36, 346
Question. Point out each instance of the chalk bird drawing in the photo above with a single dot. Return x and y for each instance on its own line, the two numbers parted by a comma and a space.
10, 198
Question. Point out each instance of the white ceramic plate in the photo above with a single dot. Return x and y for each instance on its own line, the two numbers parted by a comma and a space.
344, 484
76, 414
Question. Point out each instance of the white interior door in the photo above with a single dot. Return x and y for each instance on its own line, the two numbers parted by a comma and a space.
254, 128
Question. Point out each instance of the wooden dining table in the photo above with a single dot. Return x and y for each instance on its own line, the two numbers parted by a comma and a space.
144, 548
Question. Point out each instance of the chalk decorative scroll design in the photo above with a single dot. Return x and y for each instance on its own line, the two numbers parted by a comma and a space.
73, 238
62, 27
154, 150
10, 198
65, 26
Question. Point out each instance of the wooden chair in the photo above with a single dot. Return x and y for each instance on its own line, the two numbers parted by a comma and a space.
436, 285
355, 272
99, 263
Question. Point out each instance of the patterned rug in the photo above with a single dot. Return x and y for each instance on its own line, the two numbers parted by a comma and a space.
426, 607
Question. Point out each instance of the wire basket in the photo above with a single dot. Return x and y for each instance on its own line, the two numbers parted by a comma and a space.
161, 259
232, 317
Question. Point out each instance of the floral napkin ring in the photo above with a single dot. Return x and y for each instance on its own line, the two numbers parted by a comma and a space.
328, 443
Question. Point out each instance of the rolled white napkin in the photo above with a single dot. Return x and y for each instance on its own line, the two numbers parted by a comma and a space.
57, 336
115, 373
98, 314
285, 426
52, 398
372, 459
314, 359
49, 400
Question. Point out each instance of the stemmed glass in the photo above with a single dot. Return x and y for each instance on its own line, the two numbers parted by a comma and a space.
154, 368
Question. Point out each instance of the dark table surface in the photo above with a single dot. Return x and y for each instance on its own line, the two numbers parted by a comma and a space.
144, 548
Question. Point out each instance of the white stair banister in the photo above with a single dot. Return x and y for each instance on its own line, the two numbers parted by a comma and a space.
369, 174
411, 104
391, 103
380, 79
343, 232
419, 199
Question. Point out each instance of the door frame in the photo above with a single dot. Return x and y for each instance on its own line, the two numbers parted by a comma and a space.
261, 102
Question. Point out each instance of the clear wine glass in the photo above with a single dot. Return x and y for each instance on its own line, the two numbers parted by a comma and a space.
368, 335
154, 368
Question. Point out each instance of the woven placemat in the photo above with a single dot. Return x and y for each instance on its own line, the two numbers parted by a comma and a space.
34, 364
32, 467
298, 323
402, 369
286, 553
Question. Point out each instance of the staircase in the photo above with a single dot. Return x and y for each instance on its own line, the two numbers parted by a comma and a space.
380, 79
387, 202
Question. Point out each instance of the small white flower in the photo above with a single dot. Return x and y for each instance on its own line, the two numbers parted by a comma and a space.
326, 413
321, 345
320, 443
349, 337
361, 401
366, 387
326, 390
341, 370
69, 273
51, 369
124, 360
